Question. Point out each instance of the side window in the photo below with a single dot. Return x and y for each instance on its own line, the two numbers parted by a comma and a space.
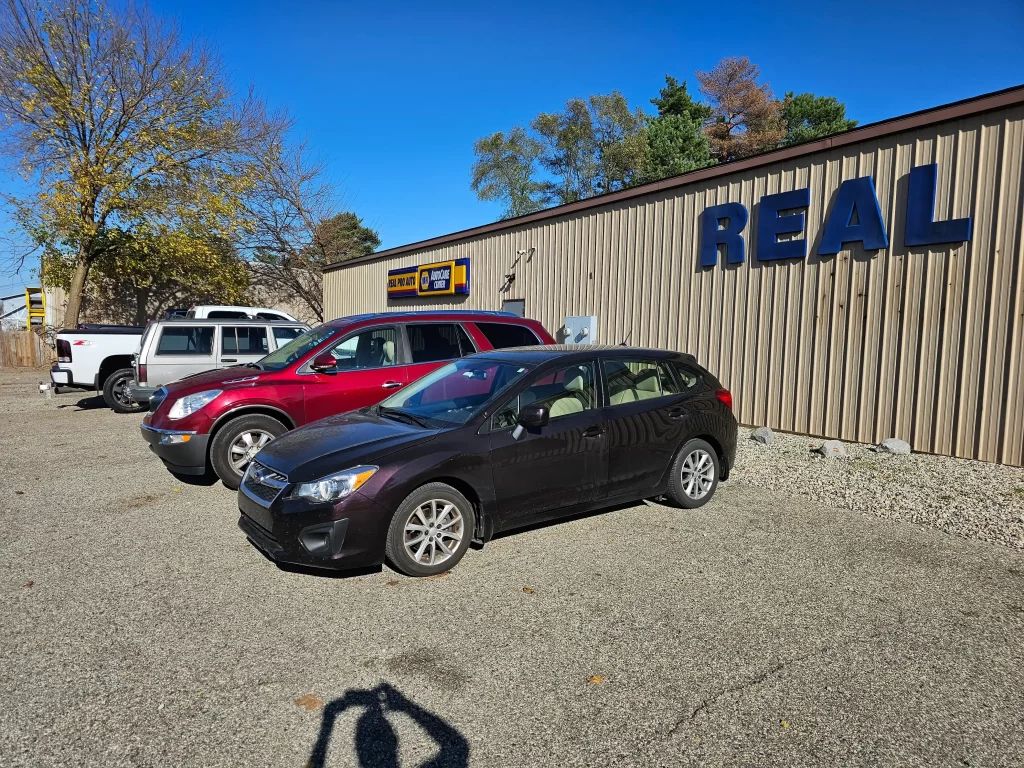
431, 342
269, 316
504, 335
688, 378
373, 348
628, 381
283, 335
669, 383
244, 340
564, 392
186, 340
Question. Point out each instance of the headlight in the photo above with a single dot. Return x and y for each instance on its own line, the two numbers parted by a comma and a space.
189, 404
335, 487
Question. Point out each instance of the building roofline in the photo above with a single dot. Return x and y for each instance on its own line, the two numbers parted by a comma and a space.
956, 110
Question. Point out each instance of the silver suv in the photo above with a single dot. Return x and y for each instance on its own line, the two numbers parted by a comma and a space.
179, 347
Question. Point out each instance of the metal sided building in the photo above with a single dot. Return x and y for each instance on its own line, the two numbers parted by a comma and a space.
863, 286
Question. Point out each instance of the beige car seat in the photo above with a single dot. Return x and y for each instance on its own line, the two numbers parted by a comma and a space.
389, 353
570, 403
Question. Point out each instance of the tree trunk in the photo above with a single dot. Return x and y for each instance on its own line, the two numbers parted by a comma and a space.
76, 292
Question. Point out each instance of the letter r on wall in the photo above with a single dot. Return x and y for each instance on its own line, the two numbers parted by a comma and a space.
730, 235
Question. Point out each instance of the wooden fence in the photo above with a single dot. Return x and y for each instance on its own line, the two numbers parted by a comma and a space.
23, 349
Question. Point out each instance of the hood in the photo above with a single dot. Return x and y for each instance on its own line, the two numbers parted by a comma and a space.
218, 378
338, 443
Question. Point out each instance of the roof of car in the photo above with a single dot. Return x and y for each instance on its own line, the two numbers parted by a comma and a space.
438, 314
539, 354
225, 321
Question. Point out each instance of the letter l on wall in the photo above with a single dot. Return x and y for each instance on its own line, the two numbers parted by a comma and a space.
922, 229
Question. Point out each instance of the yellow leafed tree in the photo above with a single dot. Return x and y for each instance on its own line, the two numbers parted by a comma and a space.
132, 147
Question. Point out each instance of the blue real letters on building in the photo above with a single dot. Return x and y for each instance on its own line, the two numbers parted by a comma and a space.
855, 218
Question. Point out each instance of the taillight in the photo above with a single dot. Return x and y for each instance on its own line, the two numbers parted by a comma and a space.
142, 374
63, 351
725, 396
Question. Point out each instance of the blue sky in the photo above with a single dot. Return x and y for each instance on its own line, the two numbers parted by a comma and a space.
392, 95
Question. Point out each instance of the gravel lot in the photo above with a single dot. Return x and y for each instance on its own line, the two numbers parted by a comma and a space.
774, 626
966, 498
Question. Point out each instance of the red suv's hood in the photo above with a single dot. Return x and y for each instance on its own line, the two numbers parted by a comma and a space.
219, 378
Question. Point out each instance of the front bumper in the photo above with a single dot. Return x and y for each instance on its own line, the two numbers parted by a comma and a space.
141, 394
350, 534
183, 453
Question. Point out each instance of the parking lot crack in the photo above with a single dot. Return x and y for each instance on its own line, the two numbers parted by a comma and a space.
761, 677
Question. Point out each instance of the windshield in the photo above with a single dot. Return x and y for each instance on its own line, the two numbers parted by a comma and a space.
454, 393
296, 348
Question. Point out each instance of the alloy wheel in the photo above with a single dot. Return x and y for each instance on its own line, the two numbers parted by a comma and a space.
122, 392
698, 474
433, 532
246, 446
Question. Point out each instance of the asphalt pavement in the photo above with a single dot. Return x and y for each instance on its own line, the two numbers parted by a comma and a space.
138, 627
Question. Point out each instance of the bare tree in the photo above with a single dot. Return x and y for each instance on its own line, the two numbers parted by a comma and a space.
297, 228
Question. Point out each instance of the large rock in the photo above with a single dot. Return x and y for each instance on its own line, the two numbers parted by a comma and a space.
832, 449
763, 435
894, 445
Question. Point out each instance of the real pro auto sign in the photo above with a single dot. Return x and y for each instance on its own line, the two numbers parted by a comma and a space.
855, 218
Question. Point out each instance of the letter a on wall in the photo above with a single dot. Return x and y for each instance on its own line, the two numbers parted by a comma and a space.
855, 195
711, 236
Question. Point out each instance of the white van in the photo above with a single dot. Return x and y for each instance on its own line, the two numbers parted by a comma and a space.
225, 312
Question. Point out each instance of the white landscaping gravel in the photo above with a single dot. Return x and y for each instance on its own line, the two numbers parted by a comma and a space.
967, 498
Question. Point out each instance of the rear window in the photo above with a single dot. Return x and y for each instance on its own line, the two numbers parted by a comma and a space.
186, 340
284, 335
226, 314
431, 342
503, 335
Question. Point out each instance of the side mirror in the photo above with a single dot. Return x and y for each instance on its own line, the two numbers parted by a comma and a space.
533, 416
324, 363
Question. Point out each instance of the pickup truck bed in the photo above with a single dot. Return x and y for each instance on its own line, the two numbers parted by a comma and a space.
86, 357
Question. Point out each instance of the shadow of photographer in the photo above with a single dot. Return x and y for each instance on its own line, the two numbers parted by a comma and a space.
376, 742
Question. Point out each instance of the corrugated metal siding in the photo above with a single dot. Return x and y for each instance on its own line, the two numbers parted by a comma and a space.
923, 344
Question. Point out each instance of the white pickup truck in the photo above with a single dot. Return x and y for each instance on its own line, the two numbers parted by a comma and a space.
98, 357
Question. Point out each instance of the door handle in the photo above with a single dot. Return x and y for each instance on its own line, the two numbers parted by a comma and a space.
593, 431
391, 384
677, 413
229, 359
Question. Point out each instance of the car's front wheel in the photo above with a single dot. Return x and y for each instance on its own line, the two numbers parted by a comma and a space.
431, 530
694, 475
238, 441
118, 395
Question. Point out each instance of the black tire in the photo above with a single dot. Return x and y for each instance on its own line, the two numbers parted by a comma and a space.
116, 393
691, 492
395, 548
221, 446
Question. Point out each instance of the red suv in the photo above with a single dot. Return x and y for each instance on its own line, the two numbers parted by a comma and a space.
222, 418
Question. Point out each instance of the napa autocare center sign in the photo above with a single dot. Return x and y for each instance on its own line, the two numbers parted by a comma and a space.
855, 218
442, 278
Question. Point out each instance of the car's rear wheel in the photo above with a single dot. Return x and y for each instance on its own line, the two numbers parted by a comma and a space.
431, 530
238, 441
694, 475
118, 395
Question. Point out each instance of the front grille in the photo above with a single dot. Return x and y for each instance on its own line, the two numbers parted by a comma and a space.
156, 398
263, 483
